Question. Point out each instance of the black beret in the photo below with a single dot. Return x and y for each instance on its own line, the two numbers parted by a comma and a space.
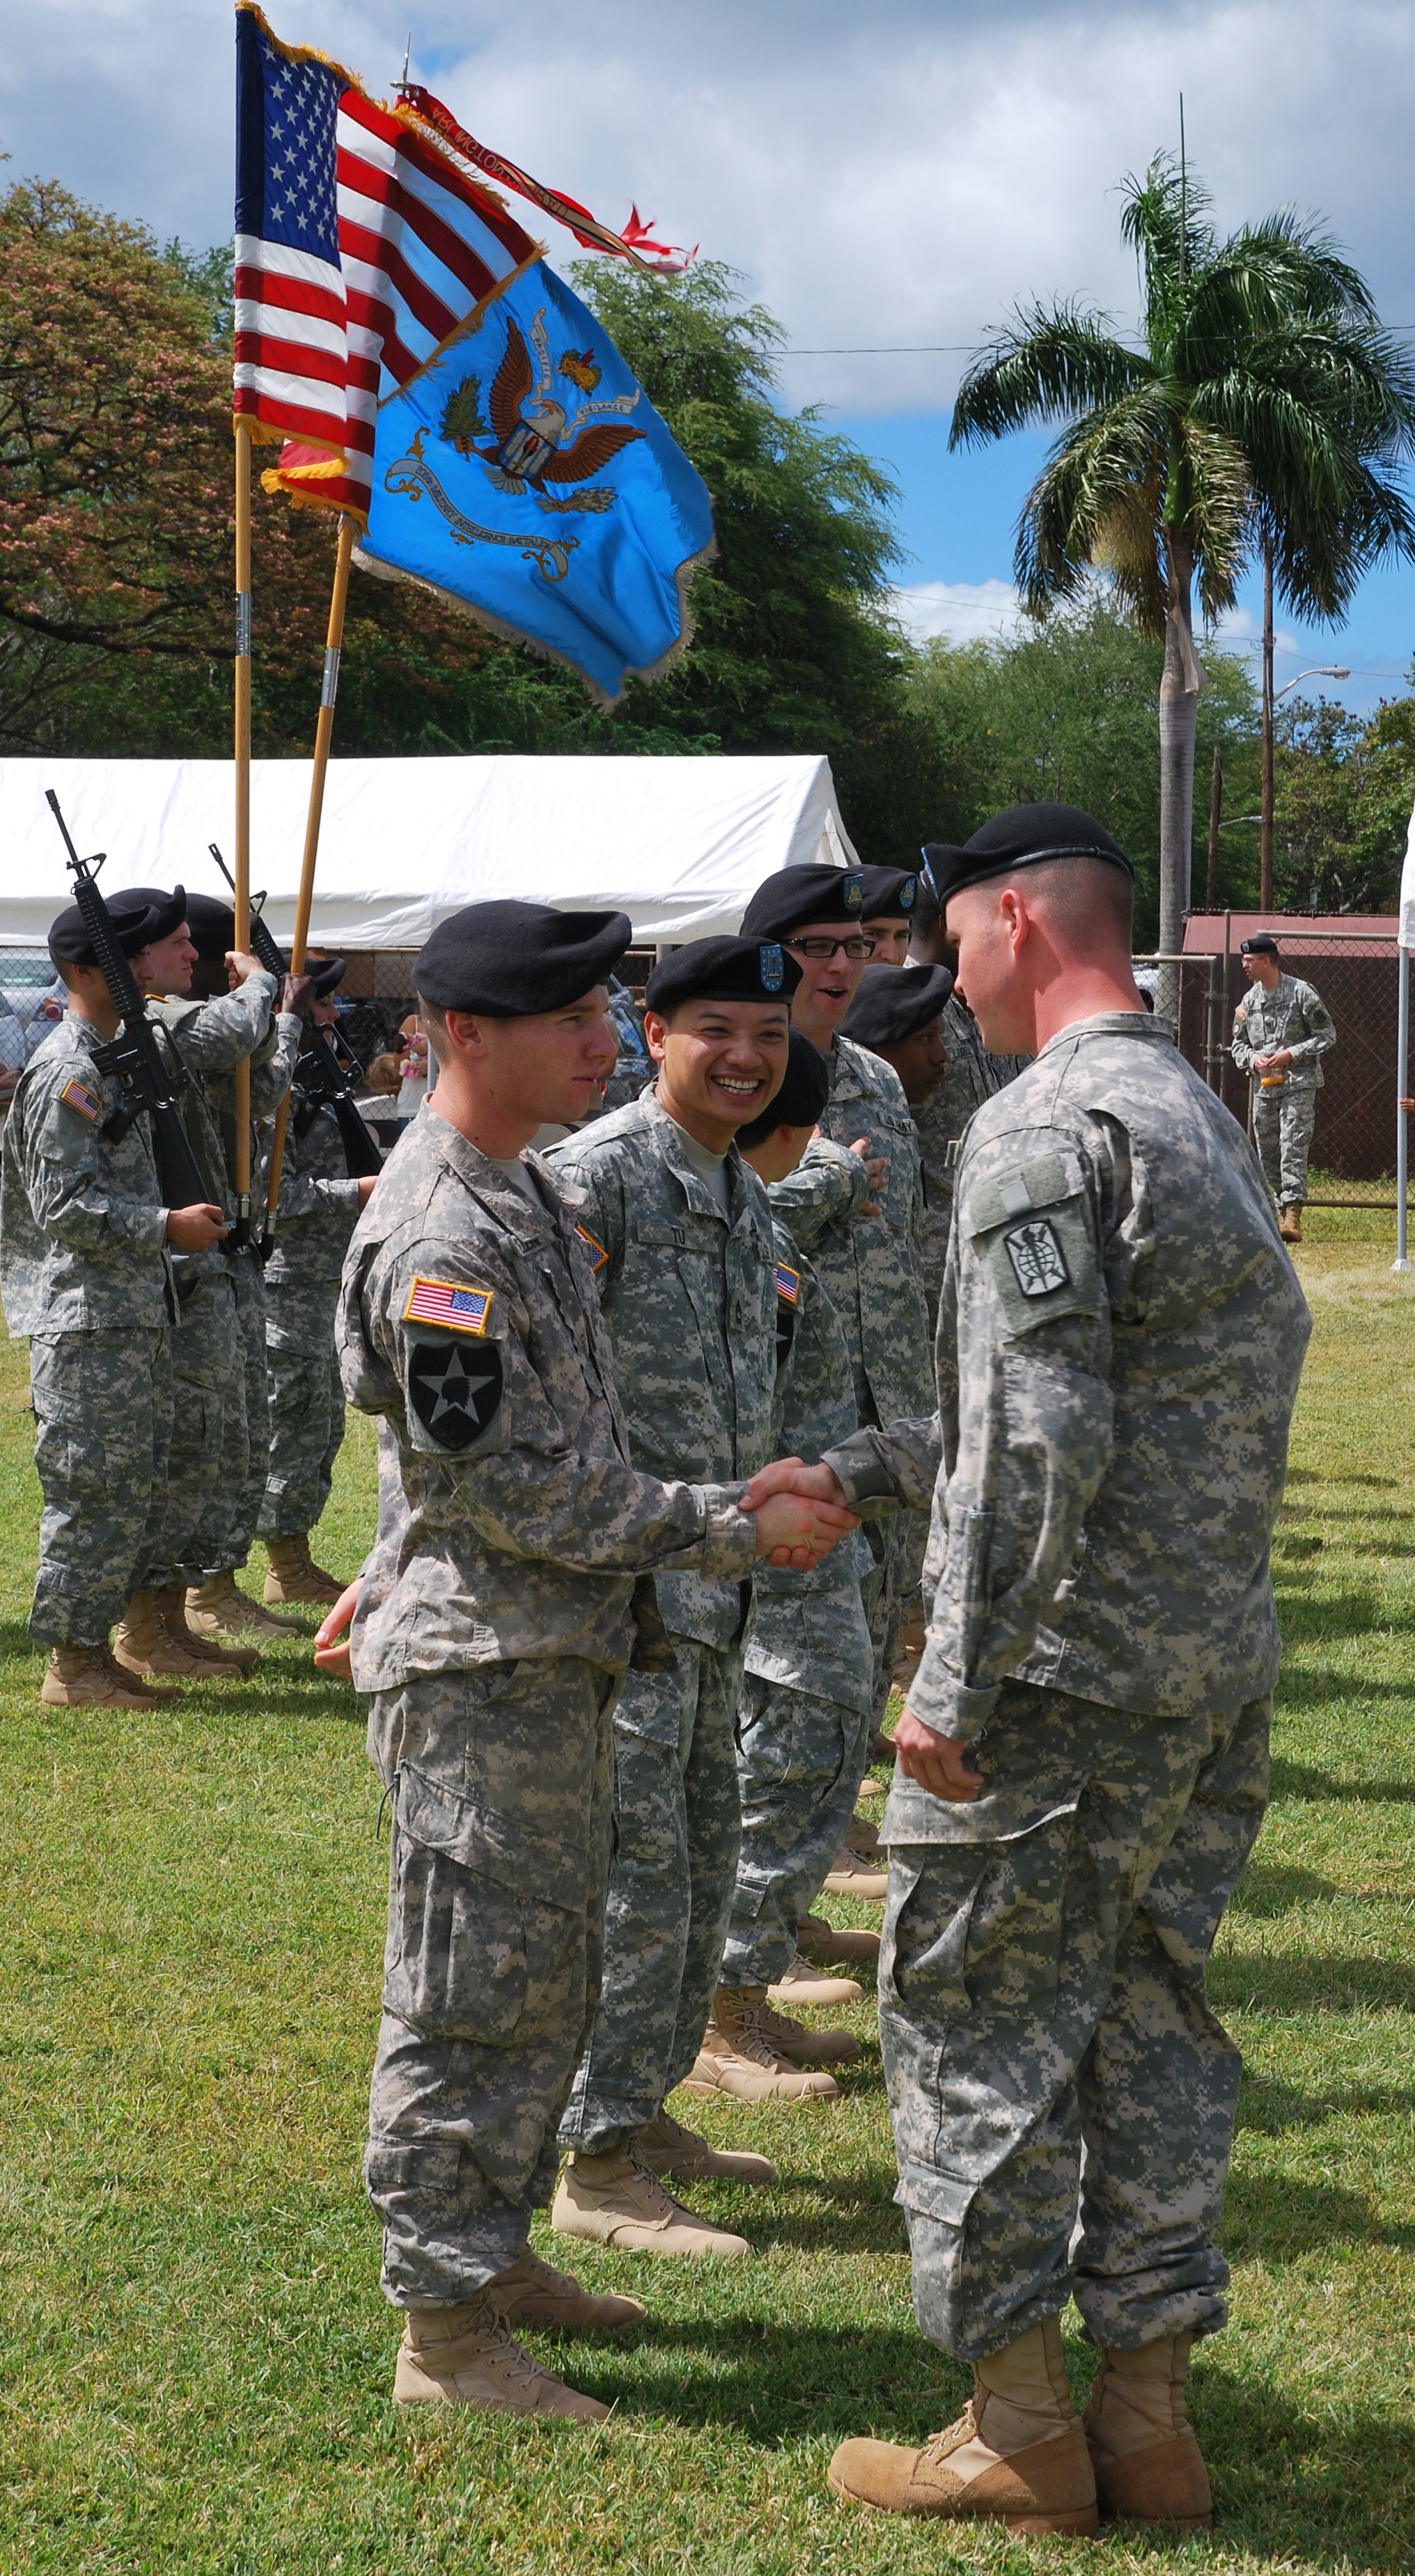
723, 970
212, 924
1262, 944
890, 893
511, 960
803, 1095
791, 896
326, 974
894, 1002
139, 914
1024, 837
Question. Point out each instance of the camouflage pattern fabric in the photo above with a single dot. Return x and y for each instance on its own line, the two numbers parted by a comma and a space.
1120, 1340
228, 1522
970, 1076
82, 1226
498, 1780
1292, 1015
805, 1713
208, 1419
103, 1417
213, 1037
688, 1295
306, 1403
1282, 1131
1042, 1991
677, 1824
319, 1205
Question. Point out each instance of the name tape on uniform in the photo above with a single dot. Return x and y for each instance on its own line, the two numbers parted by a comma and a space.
77, 1096
444, 1301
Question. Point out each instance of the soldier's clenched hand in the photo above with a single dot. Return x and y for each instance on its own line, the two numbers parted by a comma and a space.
191, 1229
938, 1763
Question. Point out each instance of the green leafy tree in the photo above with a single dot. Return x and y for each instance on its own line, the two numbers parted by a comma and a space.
1344, 790
1263, 403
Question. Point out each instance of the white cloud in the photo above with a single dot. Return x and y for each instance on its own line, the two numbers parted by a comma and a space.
880, 176
962, 611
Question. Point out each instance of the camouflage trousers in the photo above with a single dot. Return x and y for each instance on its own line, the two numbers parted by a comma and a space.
228, 1523
499, 1782
206, 1388
677, 1825
799, 1764
894, 1596
1282, 1131
1048, 2044
103, 1416
306, 1404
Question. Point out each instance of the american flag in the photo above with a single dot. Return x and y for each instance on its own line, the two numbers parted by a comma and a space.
442, 1301
359, 246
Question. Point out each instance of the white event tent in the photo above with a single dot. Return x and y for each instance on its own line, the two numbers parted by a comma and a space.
679, 843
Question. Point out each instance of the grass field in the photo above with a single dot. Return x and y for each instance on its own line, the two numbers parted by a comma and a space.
196, 2359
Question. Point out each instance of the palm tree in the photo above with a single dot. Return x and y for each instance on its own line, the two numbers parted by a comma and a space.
1264, 407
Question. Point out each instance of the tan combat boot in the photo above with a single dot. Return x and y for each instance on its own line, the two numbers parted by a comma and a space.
1016, 2455
796, 2041
294, 1575
666, 2147
737, 2058
1289, 1222
144, 1645
531, 2293
1148, 2465
802, 1984
818, 1941
862, 1867
466, 2356
615, 2199
219, 1610
220, 1660
87, 1677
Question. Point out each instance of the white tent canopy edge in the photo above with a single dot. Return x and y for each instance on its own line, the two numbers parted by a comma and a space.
677, 843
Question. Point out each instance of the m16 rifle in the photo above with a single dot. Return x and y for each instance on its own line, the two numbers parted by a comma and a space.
326, 1071
147, 1064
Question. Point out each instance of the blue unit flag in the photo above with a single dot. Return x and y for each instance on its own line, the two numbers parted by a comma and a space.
524, 473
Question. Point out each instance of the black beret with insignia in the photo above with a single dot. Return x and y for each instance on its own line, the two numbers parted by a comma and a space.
890, 893
1024, 837
1262, 944
139, 914
723, 970
893, 1003
510, 960
212, 925
788, 899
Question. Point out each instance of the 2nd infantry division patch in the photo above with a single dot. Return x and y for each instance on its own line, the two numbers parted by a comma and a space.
77, 1096
454, 1392
443, 1301
1037, 1258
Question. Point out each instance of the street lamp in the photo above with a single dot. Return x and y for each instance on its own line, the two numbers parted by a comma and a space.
1322, 671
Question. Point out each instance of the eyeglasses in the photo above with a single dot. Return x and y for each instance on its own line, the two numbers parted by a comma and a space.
823, 948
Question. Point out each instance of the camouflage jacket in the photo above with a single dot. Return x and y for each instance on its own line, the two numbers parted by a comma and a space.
1292, 1015
83, 1231
970, 1077
1120, 1341
689, 1299
319, 1204
511, 1522
869, 1266
809, 1631
214, 1037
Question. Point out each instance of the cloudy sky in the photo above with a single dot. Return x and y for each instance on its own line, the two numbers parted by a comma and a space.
887, 180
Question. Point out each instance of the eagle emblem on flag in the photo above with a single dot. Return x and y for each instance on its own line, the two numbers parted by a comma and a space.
535, 438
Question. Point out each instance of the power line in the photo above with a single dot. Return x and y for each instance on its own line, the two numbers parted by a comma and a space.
969, 348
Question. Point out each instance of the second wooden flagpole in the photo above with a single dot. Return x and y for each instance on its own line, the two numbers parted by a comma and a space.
324, 730
241, 900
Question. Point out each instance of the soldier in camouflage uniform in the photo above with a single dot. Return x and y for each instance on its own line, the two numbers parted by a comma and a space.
806, 1714
319, 1207
86, 1250
680, 1233
1281, 1031
970, 1076
494, 1621
1083, 1764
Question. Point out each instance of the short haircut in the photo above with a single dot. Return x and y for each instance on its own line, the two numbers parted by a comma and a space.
1080, 897
436, 1019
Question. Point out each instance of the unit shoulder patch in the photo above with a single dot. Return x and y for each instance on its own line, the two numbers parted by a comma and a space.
77, 1096
1037, 1258
454, 1393
449, 1302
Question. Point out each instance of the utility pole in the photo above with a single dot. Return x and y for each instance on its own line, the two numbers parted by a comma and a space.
1215, 817
1265, 800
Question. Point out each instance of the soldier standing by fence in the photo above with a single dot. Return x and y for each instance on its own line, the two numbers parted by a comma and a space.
1281, 1031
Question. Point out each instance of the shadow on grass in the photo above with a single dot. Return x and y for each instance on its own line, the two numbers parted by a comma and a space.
1269, 2106
1271, 1888
1276, 1984
855, 2215
1313, 1476
15, 1640
1304, 1780
1335, 2489
1276, 2217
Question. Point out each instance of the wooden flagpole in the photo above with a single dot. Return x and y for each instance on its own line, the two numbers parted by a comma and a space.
324, 729
241, 902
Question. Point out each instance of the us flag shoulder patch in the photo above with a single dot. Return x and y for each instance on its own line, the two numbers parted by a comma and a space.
596, 1251
77, 1096
788, 1283
443, 1301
